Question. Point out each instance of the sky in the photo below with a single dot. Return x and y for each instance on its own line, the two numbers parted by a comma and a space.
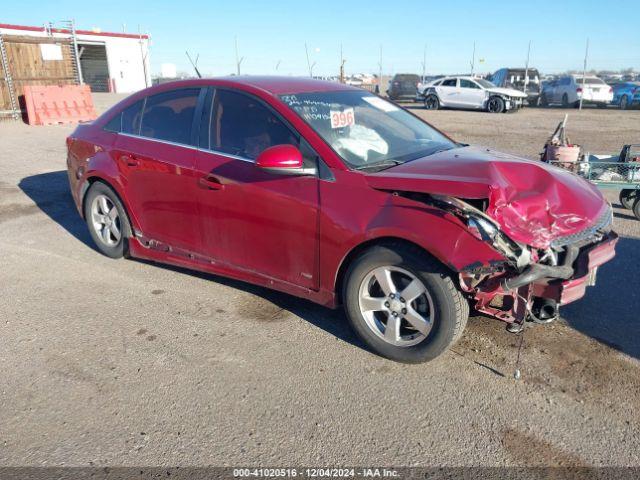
271, 35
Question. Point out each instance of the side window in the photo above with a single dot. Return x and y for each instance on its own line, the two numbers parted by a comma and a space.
131, 117
127, 121
241, 125
464, 83
450, 82
169, 115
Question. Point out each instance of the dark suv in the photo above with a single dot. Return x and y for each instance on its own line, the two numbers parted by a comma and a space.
403, 86
515, 78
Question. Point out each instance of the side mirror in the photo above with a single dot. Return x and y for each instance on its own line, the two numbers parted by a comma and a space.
283, 159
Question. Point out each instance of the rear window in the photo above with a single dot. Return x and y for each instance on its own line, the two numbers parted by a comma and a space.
403, 77
590, 81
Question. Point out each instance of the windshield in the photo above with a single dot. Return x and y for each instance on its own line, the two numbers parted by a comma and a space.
365, 130
485, 83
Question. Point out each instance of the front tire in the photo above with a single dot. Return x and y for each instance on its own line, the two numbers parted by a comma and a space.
624, 102
565, 101
495, 105
628, 197
403, 304
107, 220
636, 208
543, 101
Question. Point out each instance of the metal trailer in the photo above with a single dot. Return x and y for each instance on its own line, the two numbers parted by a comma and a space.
621, 172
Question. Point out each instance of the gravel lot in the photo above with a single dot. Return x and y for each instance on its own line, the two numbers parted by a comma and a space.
130, 363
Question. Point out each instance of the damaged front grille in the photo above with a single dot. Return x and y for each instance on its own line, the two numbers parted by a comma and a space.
601, 225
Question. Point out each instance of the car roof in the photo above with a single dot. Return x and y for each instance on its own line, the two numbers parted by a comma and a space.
275, 85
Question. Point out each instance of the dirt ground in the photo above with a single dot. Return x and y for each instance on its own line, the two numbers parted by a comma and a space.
120, 362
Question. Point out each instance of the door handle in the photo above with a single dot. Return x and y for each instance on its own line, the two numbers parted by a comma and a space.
210, 183
130, 160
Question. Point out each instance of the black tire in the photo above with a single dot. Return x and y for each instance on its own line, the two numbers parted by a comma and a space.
495, 105
450, 308
119, 247
624, 102
636, 208
432, 102
628, 197
565, 101
543, 101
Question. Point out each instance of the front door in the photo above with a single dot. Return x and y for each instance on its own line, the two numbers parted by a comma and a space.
471, 95
156, 154
261, 222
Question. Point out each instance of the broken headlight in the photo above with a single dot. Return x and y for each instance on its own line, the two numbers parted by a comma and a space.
485, 229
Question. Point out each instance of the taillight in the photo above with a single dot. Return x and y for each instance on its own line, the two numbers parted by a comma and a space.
610, 90
579, 90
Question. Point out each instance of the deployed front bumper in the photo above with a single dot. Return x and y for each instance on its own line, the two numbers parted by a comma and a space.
585, 268
503, 297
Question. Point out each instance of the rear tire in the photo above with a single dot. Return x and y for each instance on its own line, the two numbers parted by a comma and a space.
107, 220
432, 102
428, 321
628, 197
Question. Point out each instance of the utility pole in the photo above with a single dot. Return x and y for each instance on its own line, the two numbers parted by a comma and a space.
424, 62
342, 60
473, 58
309, 64
526, 69
584, 71
143, 55
238, 60
380, 73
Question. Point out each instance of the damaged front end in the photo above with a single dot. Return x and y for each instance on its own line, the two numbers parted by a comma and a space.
533, 281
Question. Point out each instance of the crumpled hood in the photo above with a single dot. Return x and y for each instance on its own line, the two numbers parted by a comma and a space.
511, 92
533, 202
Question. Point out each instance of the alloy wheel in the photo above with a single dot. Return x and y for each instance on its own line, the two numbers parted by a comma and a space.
396, 306
105, 220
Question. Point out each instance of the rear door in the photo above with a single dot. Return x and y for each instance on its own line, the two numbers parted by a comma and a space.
448, 92
156, 154
261, 222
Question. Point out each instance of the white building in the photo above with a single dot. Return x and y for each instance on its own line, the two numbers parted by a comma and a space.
109, 62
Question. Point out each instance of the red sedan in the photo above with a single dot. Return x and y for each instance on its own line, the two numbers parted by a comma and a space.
333, 194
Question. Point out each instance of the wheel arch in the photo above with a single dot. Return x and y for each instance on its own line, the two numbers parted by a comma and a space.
95, 178
358, 249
